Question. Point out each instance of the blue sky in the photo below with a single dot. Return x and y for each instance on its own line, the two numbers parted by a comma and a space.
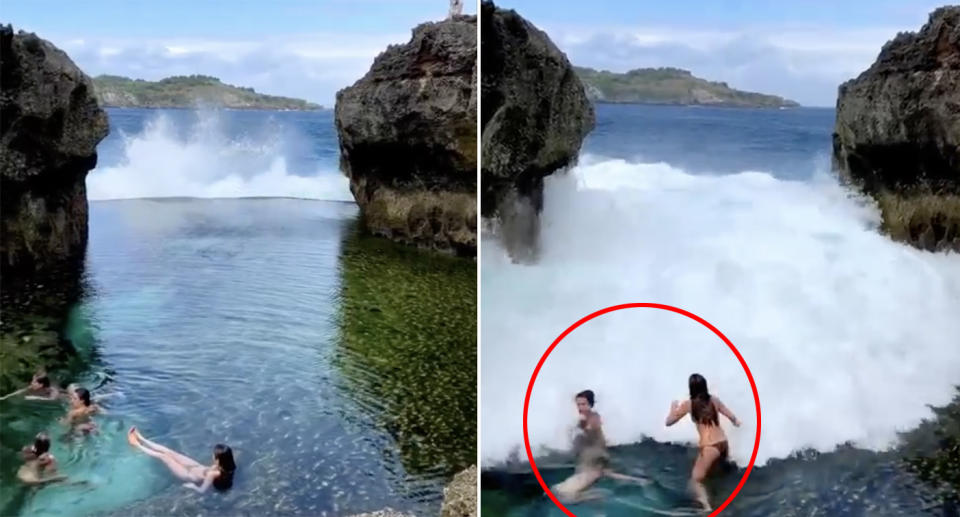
307, 49
797, 49
312, 48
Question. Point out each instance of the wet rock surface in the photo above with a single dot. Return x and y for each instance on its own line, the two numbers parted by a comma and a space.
897, 134
408, 138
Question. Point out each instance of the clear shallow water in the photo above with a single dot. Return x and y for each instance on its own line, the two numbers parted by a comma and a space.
232, 320
850, 336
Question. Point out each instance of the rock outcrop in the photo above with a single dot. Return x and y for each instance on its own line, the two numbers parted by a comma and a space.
897, 134
408, 138
534, 116
50, 124
460, 496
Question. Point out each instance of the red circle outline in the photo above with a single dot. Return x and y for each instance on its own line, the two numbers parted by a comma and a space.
698, 319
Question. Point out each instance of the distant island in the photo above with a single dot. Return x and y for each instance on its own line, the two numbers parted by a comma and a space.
670, 86
187, 92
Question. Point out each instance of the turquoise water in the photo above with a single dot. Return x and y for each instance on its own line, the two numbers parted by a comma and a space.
222, 321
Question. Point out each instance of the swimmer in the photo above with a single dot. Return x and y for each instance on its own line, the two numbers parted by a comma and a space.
38, 389
703, 409
590, 446
82, 409
197, 477
39, 465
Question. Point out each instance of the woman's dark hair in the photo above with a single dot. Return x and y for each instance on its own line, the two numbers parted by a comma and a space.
41, 444
587, 394
84, 395
224, 456
43, 380
702, 409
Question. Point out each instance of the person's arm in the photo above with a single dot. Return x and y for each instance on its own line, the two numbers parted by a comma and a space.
677, 411
207, 481
54, 397
19, 391
725, 412
594, 423
49, 464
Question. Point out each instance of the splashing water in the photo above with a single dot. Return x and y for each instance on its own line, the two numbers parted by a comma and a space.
848, 334
211, 154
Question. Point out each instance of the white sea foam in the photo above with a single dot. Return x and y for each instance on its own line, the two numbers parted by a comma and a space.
205, 162
848, 334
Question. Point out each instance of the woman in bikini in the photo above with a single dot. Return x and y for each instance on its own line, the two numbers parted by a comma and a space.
38, 389
82, 409
196, 476
593, 460
39, 466
703, 409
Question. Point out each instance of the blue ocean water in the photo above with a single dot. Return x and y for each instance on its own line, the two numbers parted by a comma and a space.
213, 317
734, 215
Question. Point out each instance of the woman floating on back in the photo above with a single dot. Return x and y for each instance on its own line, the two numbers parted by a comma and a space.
196, 476
703, 409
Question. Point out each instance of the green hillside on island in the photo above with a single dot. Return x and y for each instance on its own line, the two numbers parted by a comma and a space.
188, 92
670, 86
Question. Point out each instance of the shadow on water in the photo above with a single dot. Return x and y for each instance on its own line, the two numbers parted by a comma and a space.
40, 328
408, 349
919, 477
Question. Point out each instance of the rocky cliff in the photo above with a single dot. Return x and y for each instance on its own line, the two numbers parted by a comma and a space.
535, 114
898, 131
50, 124
408, 138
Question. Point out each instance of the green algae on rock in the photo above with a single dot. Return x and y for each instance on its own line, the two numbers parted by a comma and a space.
897, 134
408, 348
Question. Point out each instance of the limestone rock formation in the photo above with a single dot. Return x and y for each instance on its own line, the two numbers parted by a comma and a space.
535, 114
408, 138
460, 496
897, 134
50, 124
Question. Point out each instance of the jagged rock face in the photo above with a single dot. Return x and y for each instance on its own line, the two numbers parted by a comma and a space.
460, 496
535, 114
408, 138
50, 124
897, 133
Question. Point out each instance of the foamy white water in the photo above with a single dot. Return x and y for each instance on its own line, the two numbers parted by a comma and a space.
848, 334
159, 162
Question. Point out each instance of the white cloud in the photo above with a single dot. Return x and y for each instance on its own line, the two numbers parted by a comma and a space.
804, 64
312, 66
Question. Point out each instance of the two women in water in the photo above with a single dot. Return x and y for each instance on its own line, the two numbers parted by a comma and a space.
593, 460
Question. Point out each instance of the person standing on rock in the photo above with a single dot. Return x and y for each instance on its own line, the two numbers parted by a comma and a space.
704, 409
456, 8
